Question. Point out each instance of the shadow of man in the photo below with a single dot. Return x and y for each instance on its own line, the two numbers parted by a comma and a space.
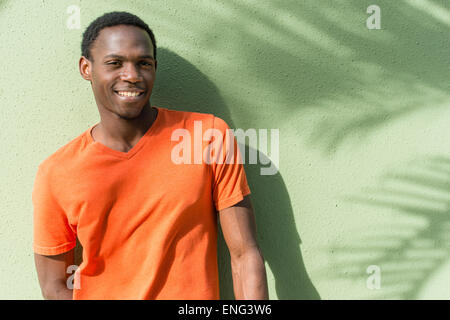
277, 232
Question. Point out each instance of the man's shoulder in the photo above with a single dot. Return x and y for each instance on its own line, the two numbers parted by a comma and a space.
180, 118
69, 152
187, 115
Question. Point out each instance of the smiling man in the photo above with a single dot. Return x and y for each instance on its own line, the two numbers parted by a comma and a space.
147, 225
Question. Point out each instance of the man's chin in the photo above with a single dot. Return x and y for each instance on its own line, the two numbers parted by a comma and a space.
130, 113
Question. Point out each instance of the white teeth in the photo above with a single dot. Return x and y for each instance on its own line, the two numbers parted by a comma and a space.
128, 94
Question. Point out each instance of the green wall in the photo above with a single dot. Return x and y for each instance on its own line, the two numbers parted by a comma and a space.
364, 170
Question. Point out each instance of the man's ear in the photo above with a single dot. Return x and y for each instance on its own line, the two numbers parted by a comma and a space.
85, 67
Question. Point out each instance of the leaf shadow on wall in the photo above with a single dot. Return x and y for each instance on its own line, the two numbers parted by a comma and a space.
181, 86
393, 72
410, 248
320, 65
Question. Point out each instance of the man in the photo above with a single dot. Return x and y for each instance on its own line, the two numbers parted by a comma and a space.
147, 223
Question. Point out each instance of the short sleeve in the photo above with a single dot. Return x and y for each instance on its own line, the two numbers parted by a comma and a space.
230, 182
52, 233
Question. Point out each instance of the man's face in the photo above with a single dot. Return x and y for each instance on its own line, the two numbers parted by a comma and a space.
121, 70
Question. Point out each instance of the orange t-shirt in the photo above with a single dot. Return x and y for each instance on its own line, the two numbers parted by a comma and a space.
147, 221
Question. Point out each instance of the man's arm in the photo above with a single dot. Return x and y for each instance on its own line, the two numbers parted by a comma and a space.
247, 263
52, 275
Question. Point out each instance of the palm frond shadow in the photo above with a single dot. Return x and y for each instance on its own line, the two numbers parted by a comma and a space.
412, 248
316, 61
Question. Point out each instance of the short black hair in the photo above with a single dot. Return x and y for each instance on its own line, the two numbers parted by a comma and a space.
109, 20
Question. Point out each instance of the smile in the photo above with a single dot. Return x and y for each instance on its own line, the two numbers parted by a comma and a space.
129, 93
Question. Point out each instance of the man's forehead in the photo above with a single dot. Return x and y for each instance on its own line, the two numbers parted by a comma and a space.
121, 39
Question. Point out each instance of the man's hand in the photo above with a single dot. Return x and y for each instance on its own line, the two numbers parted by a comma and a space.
52, 275
247, 263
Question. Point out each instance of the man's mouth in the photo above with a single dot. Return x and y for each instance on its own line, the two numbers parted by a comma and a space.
129, 94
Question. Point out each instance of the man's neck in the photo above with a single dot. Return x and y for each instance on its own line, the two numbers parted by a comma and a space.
123, 134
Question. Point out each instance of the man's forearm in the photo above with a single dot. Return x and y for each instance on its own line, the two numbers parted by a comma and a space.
58, 291
249, 276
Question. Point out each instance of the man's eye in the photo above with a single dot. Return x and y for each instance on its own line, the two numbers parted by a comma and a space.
145, 63
113, 63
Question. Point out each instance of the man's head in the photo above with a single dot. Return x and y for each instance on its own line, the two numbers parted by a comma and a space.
119, 59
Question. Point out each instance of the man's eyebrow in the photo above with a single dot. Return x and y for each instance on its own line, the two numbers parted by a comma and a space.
118, 56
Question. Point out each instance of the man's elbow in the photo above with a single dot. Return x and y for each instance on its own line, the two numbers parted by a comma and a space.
249, 254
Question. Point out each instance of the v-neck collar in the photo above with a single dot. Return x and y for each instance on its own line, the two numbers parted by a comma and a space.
138, 146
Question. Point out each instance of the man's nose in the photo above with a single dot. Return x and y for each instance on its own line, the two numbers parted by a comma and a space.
130, 73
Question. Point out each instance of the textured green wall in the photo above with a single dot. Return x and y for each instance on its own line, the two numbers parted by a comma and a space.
364, 172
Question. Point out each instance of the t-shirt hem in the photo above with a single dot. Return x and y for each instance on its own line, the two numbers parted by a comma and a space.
51, 251
232, 200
